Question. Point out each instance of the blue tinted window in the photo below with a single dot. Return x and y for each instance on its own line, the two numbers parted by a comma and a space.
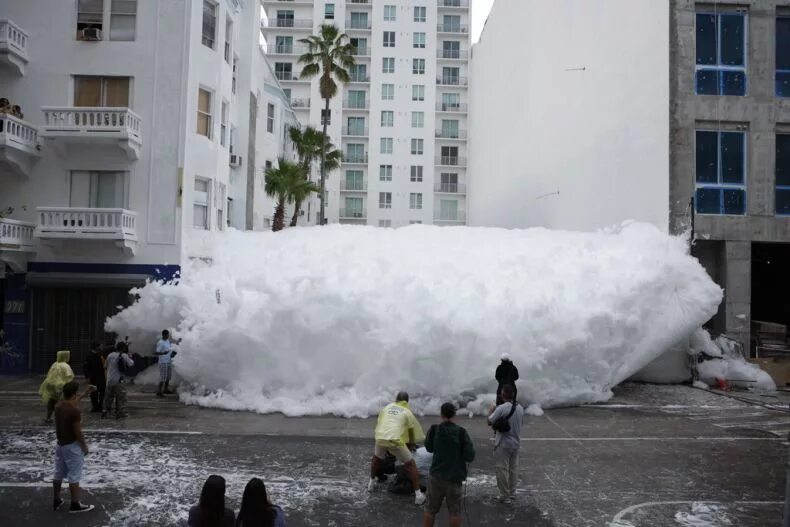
732, 157
706, 39
783, 56
734, 201
707, 82
707, 157
732, 40
720, 172
733, 83
721, 54
783, 201
783, 160
708, 200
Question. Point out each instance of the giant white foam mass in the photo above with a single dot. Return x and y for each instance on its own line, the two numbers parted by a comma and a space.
335, 320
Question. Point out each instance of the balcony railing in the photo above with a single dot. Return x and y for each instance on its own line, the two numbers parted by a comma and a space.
16, 235
451, 107
450, 134
353, 186
286, 50
360, 52
18, 143
360, 78
86, 223
86, 124
452, 54
363, 25
356, 105
355, 131
453, 3
359, 2
355, 158
450, 188
451, 161
289, 76
13, 46
446, 80
300, 103
353, 214
451, 217
290, 23
452, 28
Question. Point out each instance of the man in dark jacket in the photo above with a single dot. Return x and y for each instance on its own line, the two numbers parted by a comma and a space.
94, 371
506, 373
452, 449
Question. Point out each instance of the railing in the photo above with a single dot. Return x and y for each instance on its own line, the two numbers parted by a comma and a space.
287, 50
358, 24
360, 78
353, 131
451, 161
353, 186
17, 133
356, 105
289, 76
457, 217
453, 54
359, 2
73, 222
14, 233
13, 38
361, 52
452, 28
451, 81
451, 134
355, 158
87, 121
453, 3
451, 107
450, 188
290, 23
300, 103
353, 214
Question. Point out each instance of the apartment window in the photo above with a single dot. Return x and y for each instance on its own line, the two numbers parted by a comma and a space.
416, 174
387, 92
386, 145
200, 203
418, 66
448, 182
358, 21
448, 210
354, 208
209, 34
387, 119
90, 15
721, 54
123, 19
359, 73
270, 118
204, 113
415, 200
355, 180
418, 92
285, 18
356, 99
720, 172
451, 23
389, 39
419, 40
783, 174
451, 101
783, 56
284, 71
449, 155
329, 11
103, 190
419, 13
451, 76
389, 13
415, 222
451, 49
450, 129
360, 46
233, 78
220, 197
223, 123
101, 91
228, 38
385, 223
388, 65
417, 119
417, 146
385, 200
385, 172
356, 126
234, 133
356, 153
283, 44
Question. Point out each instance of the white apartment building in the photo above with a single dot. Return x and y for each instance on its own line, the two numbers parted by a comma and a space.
402, 120
144, 125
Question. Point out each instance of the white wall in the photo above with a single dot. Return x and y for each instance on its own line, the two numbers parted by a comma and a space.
570, 96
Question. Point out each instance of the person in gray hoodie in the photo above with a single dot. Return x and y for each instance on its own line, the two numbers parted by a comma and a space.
116, 389
507, 443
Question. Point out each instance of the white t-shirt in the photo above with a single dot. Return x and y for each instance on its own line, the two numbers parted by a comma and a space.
161, 347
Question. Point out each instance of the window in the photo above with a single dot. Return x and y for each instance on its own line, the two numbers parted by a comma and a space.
285, 18
356, 153
385, 200
354, 208
209, 34
220, 197
228, 38
359, 21
415, 222
389, 13
385, 172
270, 118
450, 129
204, 113
388, 65
90, 15
387, 92
721, 54
417, 119
417, 146
386, 145
783, 56
233, 135
451, 76
451, 102
419, 13
200, 203
448, 210
418, 66
356, 126
419, 40
720, 172
449, 155
356, 99
223, 123
104, 190
329, 11
283, 44
387, 119
101, 91
389, 39
451, 49
284, 71
448, 182
415, 200
416, 174
783, 174
229, 213
385, 223
359, 73
123, 19
451, 23
354, 180
418, 92
233, 79
360, 46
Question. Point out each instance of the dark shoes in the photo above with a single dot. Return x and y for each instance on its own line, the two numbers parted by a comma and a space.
168, 392
57, 503
78, 507
159, 394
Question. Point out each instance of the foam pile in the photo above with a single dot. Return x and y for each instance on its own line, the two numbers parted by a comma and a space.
335, 320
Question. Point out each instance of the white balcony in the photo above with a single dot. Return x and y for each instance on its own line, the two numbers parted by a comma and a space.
353, 214
450, 218
13, 46
94, 125
450, 188
287, 24
18, 144
458, 135
16, 242
72, 223
353, 186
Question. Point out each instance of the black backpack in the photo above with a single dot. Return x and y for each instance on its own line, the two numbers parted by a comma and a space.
502, 425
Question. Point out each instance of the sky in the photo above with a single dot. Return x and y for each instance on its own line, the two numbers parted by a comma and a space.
480, 9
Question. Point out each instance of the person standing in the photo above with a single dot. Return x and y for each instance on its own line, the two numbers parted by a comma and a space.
256, 509
211, 510
58, 375
397, 432
94, 371
452, 449
164, 351
506, 373
506, 420
71, 447
117, 362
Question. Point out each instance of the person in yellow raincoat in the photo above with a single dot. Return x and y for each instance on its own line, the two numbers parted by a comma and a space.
51, 389
397, 432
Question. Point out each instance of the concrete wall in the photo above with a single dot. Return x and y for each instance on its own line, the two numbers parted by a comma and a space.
569, 121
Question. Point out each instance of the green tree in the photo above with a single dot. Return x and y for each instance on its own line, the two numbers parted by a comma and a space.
329, 54
280, 184
308, 144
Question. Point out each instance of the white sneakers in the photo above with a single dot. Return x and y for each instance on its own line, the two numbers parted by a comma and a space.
419, 497
372, 484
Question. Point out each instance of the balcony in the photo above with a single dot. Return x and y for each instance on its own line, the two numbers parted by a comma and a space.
453, 4
353, 214
288, 76
13, 46
452, 54
454, 29
361, 52
94, 126
16, 242
353, 186
287, 50
287, 24
70, 223
450, 161
359, 3
459, 135
449, 188
358, 25
300, 104
451, 81
18, 144
355, 159
457, 217
356, 105
360, 78
355, 131
451, 107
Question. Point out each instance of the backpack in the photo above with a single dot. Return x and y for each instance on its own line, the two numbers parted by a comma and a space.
502, 424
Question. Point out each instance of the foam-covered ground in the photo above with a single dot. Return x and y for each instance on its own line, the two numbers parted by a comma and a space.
335, 320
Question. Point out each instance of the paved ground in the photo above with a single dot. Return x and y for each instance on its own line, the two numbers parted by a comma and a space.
654, 456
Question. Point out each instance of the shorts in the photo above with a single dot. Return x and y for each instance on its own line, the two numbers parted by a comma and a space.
165, 371
68, 462
401, 453
438, 490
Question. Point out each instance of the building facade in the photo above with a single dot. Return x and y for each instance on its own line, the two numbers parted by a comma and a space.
401, 122
141, 127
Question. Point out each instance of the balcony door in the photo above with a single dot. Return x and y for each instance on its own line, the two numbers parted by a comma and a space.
101, 92
448, 209
102, 190
354, 207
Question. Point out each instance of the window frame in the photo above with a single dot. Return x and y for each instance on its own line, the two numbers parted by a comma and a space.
720, 185
416, 173
420, 119
388, 42
327, 14
385, 200
415, 200
223, 122
270, 117
420, 9
420, 89
777, 187
419, 43
778, 71
201, 203
419, 143
718, 68
390, 149
204, 38
385, 173
384, 62
418, 66
387, 92
393, 13
387, 118
209, 115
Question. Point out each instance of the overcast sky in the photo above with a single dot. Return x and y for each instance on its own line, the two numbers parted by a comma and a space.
480, 9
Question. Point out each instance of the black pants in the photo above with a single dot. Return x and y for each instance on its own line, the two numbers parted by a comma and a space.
97, 397
499, 399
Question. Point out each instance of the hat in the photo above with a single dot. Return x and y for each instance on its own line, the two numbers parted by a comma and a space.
506, 357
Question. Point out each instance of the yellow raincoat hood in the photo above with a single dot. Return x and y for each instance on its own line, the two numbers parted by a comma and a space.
395, 421
59, 374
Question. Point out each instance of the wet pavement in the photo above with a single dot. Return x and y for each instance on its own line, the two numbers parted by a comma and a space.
653, 456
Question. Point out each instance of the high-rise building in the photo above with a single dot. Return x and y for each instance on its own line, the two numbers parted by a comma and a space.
402, 120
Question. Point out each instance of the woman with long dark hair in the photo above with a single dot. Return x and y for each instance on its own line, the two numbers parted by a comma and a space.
211, 510
256, 509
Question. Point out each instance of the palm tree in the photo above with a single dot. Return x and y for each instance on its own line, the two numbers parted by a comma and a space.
329, 55
308, 144
280, 183
300, 191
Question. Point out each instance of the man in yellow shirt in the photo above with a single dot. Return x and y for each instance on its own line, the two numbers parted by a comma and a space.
397, 432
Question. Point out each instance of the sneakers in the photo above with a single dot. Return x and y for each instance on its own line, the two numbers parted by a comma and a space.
372, 484
57, 503
78, 507
505, 500
419, 497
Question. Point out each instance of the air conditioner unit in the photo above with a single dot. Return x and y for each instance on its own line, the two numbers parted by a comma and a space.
235, 160
91, 34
